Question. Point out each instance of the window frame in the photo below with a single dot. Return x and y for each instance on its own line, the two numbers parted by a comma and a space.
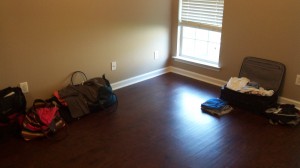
189, 59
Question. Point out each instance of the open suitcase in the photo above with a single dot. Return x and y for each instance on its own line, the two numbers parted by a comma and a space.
268, 74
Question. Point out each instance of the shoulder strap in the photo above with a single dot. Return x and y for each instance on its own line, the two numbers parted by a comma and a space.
39, 103
83, 76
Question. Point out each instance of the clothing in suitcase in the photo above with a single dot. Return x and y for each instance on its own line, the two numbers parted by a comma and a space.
266, 73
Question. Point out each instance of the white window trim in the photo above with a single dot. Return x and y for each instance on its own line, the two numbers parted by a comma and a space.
197, 63
194, 62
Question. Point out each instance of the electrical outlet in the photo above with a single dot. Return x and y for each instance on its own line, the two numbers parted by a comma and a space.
297, 80
156, 54
24, 87
113, 66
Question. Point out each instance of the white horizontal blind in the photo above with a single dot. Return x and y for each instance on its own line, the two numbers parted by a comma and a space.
206, 14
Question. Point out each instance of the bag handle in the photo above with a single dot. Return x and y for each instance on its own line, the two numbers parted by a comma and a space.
39, 103
76, 73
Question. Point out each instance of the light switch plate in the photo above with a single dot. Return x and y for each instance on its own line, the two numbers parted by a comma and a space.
113, 66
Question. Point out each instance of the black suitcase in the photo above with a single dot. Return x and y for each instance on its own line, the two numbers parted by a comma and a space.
268, 74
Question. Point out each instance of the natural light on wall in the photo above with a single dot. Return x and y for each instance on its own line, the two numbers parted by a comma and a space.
199, 32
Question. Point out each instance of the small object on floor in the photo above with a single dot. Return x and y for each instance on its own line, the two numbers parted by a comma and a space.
284, 114
216, 106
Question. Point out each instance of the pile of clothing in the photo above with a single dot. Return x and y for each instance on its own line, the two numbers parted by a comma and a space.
244, 85
286, 114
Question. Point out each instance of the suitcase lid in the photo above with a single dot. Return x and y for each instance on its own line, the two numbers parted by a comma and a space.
268, 74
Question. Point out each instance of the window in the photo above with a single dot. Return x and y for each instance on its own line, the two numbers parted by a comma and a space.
199, 31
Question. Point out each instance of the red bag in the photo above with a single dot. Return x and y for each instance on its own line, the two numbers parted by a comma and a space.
41, 120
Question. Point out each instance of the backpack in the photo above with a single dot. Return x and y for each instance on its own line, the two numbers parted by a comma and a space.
12, 110
42, 120
12, 105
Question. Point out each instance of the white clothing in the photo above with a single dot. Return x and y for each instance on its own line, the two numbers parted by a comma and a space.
236, 83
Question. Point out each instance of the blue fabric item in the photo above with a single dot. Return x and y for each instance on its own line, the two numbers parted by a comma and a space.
214, 103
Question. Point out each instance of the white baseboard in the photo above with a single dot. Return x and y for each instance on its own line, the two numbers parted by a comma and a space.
197, 76
190, 74
283, 100
139, 78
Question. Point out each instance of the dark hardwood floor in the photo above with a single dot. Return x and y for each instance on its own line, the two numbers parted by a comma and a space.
159, 124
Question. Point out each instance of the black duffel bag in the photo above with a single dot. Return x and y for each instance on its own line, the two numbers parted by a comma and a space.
12, 110
12, 101
84, 96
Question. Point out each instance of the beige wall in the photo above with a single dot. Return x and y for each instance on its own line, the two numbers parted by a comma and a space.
42, 42
268, 29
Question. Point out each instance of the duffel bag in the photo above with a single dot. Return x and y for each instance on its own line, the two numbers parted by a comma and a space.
12, 101
86, 96
12, 110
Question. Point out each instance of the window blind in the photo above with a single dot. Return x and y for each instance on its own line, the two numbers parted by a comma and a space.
206, 14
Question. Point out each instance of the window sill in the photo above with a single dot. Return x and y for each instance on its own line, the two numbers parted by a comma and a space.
197, 63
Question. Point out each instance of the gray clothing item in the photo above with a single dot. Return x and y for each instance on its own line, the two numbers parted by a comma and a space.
80, 97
